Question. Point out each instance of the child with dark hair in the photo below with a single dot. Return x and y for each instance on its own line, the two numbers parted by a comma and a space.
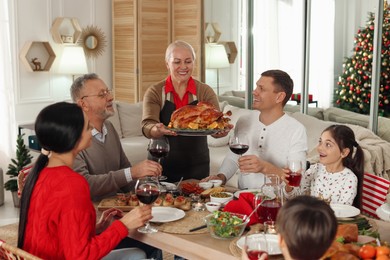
307, 227
338, 176
57, 217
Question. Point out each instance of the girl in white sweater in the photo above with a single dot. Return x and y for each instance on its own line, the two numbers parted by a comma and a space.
338, 176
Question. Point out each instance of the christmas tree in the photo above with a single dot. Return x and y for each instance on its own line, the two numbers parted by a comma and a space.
353, 91
23, 158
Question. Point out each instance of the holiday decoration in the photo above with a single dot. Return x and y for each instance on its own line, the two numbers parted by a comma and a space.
353, 91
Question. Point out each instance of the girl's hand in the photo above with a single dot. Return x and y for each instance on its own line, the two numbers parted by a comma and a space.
106, 219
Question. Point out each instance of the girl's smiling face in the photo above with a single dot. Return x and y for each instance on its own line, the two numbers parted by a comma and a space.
329, 151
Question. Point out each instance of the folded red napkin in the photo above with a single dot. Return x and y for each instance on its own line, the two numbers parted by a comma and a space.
244, 205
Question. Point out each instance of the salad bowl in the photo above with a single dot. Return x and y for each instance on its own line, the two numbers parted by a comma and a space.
226, 225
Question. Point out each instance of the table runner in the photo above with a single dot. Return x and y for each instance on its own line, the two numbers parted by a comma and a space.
182, 226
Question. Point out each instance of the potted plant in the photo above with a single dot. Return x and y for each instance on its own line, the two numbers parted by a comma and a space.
23, 158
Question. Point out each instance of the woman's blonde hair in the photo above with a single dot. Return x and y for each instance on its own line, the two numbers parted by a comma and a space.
178, 44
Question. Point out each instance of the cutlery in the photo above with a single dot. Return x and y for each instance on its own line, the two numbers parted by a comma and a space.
198, 228
178, 184
258, 205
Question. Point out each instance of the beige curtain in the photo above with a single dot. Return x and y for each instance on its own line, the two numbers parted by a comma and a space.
8, 127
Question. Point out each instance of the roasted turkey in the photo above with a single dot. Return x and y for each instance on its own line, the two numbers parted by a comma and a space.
201, 116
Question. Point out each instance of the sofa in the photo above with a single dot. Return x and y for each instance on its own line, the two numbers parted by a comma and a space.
127, 121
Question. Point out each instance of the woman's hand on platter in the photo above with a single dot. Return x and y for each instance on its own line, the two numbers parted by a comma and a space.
159, 130
106, 219
137, 217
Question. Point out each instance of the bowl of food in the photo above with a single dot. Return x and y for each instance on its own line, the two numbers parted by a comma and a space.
213, 206
226, 225
221, 197
216, 183
205, 185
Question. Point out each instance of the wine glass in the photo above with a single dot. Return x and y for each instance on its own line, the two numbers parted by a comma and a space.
159, 148
256, 246
238, 143
295, 168
147, 191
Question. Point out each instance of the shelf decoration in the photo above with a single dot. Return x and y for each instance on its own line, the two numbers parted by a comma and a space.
65, 30
231, 51
37, 56
212, 32
93, 41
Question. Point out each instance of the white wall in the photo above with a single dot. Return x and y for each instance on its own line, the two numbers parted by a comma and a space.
32, 22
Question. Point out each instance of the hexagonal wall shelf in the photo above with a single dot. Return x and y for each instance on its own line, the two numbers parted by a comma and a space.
65, 30
212, 32
37, 56
231, 51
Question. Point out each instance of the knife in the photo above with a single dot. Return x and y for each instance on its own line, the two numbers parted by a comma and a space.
198, 228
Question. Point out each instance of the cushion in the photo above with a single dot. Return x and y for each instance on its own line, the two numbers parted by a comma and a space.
239, 93
312, 111
344, 116
314, 128
236, 113
130, 116
374, 193
234, 101
115, 120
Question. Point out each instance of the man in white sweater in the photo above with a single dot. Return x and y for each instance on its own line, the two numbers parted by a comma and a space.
273, 136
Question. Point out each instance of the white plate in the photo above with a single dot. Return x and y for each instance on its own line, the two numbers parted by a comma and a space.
344, 211
168, 185
272, 241
166, 214
381, 212
254, 191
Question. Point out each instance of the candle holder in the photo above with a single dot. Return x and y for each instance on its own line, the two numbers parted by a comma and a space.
269, 227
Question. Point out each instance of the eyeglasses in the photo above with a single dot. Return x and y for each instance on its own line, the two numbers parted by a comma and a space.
101, 95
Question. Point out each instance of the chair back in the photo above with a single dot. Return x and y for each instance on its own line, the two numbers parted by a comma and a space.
375, 189
22, 179
9, 252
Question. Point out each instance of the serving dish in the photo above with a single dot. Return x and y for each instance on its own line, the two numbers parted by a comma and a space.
193, 132
344, 211
272, 242
226, 225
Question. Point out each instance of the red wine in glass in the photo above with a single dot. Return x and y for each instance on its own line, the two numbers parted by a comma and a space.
238, 144
147, 196
257, 254
268, 210
159, 152
294, 179
239, 148
147, 190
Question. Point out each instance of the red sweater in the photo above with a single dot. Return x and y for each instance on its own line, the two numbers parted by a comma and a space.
61, 219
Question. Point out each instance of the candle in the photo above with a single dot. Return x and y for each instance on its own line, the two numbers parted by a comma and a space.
198, 206
270, 227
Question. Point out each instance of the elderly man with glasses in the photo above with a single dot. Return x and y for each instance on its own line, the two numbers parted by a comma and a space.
104, 164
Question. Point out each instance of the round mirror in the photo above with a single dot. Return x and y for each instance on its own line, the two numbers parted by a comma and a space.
93, 41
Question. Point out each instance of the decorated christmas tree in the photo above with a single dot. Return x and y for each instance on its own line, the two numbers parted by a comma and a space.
353, 91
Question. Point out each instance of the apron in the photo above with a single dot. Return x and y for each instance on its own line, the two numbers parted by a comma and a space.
188, 156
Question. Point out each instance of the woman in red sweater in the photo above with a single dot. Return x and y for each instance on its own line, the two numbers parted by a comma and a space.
57, 217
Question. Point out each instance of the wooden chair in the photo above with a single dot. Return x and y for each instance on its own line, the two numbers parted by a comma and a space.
9, 252
22, 179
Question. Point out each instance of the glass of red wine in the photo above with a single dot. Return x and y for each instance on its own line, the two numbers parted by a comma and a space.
256, 246
295, 168
159, 148
238, 143
147, 190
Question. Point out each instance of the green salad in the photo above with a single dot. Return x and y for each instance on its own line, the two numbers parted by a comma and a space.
225, 224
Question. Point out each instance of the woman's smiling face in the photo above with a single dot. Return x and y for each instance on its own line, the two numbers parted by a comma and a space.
180, 64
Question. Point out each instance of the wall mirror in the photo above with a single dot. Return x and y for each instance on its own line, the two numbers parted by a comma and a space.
93, 41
